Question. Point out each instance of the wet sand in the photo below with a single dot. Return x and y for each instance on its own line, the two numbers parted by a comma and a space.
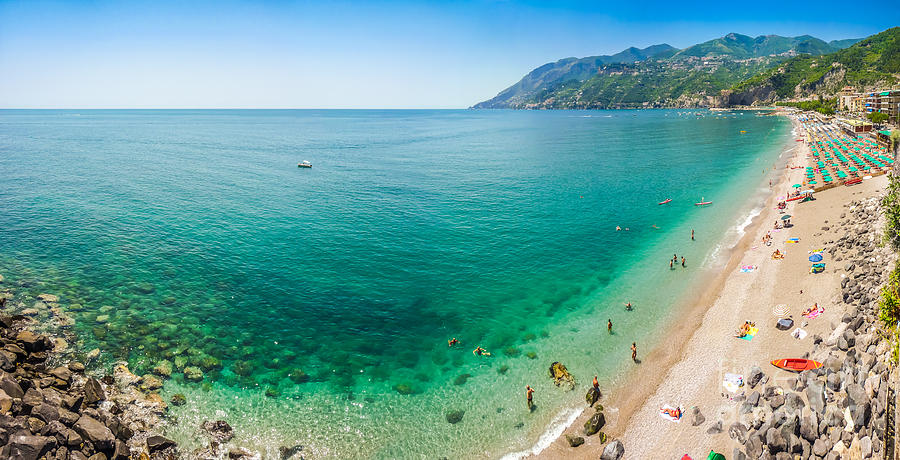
688, 368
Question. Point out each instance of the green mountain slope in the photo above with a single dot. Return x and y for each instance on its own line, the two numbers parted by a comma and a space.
871, 62
655, 76
568, 69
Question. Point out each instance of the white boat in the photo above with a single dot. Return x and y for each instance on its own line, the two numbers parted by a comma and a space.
304, 164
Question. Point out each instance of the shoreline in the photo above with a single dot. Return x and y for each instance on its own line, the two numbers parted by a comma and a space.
628, 397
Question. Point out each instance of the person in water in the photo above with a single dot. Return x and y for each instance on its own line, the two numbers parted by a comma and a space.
596, 383
671, 266
529, 392
618, 228
628, 306
452, 342
634, 351
478, 351
682, 261
609, 326
692, 234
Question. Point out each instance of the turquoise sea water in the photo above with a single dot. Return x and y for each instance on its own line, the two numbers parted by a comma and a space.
318, 302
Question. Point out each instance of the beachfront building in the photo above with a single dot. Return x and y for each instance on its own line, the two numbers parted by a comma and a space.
884, 101
849, 101
854, 127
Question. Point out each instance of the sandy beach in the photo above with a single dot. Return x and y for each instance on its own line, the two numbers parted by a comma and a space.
688, 370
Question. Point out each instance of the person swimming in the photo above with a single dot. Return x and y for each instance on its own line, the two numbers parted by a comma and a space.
618, 228
452, 342
478, 351
628, 306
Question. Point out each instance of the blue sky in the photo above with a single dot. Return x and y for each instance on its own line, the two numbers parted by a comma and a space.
352, 54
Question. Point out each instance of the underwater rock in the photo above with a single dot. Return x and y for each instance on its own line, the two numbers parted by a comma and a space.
102, 319
163, 369
455, 416
145, 288
561, 376
193, 374
403, 389
298, 376
178, 399
461, 379
242, 368
220, 431
49, 298
151, 382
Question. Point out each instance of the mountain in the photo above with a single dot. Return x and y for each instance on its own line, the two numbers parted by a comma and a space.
567, 70
871, 62
656, 76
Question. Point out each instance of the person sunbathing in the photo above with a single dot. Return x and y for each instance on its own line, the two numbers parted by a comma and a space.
777, 254
674, 413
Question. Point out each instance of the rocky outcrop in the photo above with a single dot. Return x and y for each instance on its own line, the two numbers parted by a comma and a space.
561, 376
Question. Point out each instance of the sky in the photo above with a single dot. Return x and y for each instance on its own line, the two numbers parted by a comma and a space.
353, 54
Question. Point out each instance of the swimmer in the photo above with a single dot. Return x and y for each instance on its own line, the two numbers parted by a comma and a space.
618, 228
628, 306
478, 351
452, 342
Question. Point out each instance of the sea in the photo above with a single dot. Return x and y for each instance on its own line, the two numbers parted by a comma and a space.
318, 302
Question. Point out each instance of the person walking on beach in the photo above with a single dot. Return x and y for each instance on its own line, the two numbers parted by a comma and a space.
528, 397
634, 351
609, 326
682, 261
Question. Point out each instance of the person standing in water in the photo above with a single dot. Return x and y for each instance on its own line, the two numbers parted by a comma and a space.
609, 326
682, 261
634, 351
692, 234
670, 265
528, 397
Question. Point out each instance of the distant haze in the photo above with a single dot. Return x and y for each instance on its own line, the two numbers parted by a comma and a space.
349, 54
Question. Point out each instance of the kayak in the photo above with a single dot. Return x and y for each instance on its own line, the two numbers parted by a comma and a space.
703, 203
853, 181
667, 200
796, 365
793, 198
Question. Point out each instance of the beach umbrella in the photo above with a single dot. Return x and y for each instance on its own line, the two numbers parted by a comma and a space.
786, 217
796, 186
781, 310
813, 182
815, 257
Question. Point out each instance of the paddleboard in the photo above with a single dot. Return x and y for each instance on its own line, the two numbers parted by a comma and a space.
703, 203
667, 200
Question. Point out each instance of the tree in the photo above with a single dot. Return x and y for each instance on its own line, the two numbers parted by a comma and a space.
895, 140
877, 117
890, 205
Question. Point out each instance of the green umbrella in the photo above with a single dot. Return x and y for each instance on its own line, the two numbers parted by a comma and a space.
796, 186
813, 182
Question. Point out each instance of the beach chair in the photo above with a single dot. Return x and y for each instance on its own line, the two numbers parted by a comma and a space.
817, 268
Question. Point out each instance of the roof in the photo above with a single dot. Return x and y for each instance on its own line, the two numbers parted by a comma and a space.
886, 132
884, 93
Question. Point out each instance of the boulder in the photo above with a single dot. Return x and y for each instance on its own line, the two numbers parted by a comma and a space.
221, 431
158, 443
574, 441
697, 418
594, 424
561, 376
613, 451
453, 417
193, 374
96, 432
815, 394
163, 369
754, 377
775, 440
30, 447
593, 394
93, 391
738, 432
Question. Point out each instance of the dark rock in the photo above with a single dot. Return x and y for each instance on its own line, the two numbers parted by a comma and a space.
11, 387
222, 432
455, 416
755, 376
753, 399
574, 441
178, 399
93, 391
776, 401
46, 412
98, 456
613, 451
561, 376
738, 432
809, 429
594, 424
593, 394
157, 443
95, 432
715, 428
72, 402
33, 398
775, 441
32, 342
122, 452
697, 418
67, 417
62, 373
30, 447
288, 452
75, 366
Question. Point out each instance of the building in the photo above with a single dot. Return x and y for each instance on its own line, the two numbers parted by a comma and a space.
854, 127
886, 102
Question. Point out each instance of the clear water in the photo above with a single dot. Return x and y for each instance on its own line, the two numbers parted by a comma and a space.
335, 289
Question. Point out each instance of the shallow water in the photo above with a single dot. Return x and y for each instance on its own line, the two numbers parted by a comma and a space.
196, 239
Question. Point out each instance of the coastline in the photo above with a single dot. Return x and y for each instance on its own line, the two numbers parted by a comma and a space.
645, 380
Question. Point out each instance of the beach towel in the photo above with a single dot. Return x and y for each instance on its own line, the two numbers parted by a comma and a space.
733, 382
750, 334
798, 334
748, 268
815, 313
793, 240
669, 417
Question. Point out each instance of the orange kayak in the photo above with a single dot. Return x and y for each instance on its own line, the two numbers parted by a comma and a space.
796, 365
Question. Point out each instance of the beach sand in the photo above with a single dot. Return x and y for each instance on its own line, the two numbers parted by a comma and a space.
688, 369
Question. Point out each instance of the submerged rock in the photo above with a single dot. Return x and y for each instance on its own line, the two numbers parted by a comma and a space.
163, 369
220, 430
178, 399
193, 374
561, 376
455, 416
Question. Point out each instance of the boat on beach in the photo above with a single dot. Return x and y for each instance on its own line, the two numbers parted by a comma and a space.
304, 164
796, 365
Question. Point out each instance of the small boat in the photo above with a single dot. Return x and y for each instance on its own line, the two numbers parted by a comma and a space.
667, 200
796, 365
702, 203
304, 164
794, 198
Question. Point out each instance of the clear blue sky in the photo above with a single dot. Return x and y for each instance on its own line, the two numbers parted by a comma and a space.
353, 54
